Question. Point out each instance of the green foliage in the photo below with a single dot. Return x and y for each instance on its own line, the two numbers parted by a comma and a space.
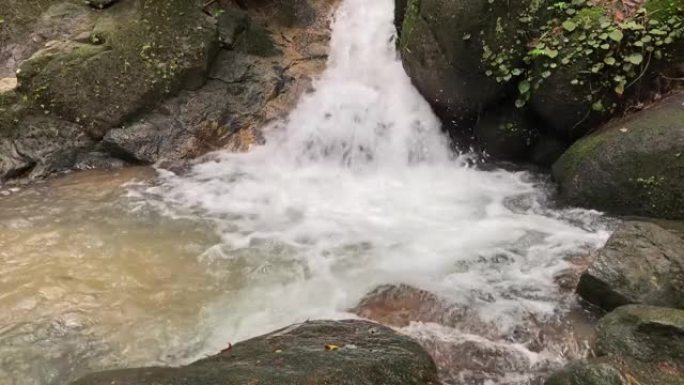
605, 51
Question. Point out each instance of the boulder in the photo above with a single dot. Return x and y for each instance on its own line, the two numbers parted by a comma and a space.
138, 52
443, 44
318, 352
642, 263
40, 145
635, 344
645, 333
631, 166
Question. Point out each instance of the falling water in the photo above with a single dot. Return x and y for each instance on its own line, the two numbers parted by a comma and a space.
357, 188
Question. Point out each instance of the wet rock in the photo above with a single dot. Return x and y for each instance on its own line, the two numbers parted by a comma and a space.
141, 51
506, 133
399, 305
358, 353
642, 263
635, 344
645, 333
41, 145
442, 49
586, 373
468, 349
631, 166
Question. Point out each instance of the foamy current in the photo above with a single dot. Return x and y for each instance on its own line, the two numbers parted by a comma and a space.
357, 188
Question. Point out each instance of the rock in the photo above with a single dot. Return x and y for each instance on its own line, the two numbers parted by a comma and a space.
399, 305
39, 146
359, 353
142, 51
645, 333
442, 46
631, 166
29, 24
231, 24
642, 263
468, 349
587, 373
635, 344
506, 133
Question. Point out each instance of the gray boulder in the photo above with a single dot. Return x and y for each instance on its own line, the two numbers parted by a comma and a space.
316, 353
642, 263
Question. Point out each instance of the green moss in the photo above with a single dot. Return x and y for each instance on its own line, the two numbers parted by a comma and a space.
410, 18
144, 50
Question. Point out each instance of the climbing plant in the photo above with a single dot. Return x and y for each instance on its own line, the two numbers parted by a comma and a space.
607, 46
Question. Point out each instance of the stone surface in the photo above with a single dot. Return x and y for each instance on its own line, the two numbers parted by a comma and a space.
139, 52
318, 352
645, 333
506, 133
635, 344
109, 74
442, 47
642, 263
631, 166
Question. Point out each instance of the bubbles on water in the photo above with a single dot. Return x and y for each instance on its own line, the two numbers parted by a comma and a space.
356, 189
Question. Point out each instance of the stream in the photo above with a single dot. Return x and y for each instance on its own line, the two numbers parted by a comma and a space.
356, 188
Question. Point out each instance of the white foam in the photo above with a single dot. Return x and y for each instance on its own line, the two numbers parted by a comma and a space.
357, 189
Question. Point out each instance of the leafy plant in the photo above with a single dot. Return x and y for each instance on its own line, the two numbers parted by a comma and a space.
608, 48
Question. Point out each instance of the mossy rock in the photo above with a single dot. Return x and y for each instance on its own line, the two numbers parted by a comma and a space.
315, 353
140, 51
631, 166
442, 45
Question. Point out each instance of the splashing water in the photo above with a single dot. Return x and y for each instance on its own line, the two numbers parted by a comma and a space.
356, 189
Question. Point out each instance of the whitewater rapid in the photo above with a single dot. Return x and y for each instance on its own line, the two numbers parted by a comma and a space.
358, 188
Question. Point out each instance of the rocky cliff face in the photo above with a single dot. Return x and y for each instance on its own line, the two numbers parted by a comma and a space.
528, 79
140, 81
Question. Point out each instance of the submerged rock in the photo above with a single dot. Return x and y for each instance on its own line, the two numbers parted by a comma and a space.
631, 166
642, 263
318, 352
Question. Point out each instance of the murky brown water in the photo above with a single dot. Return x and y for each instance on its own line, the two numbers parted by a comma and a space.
88, 282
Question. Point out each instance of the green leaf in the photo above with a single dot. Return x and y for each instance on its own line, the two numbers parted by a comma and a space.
616, 35
609, 60
569, 25
524, 87
635, 58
